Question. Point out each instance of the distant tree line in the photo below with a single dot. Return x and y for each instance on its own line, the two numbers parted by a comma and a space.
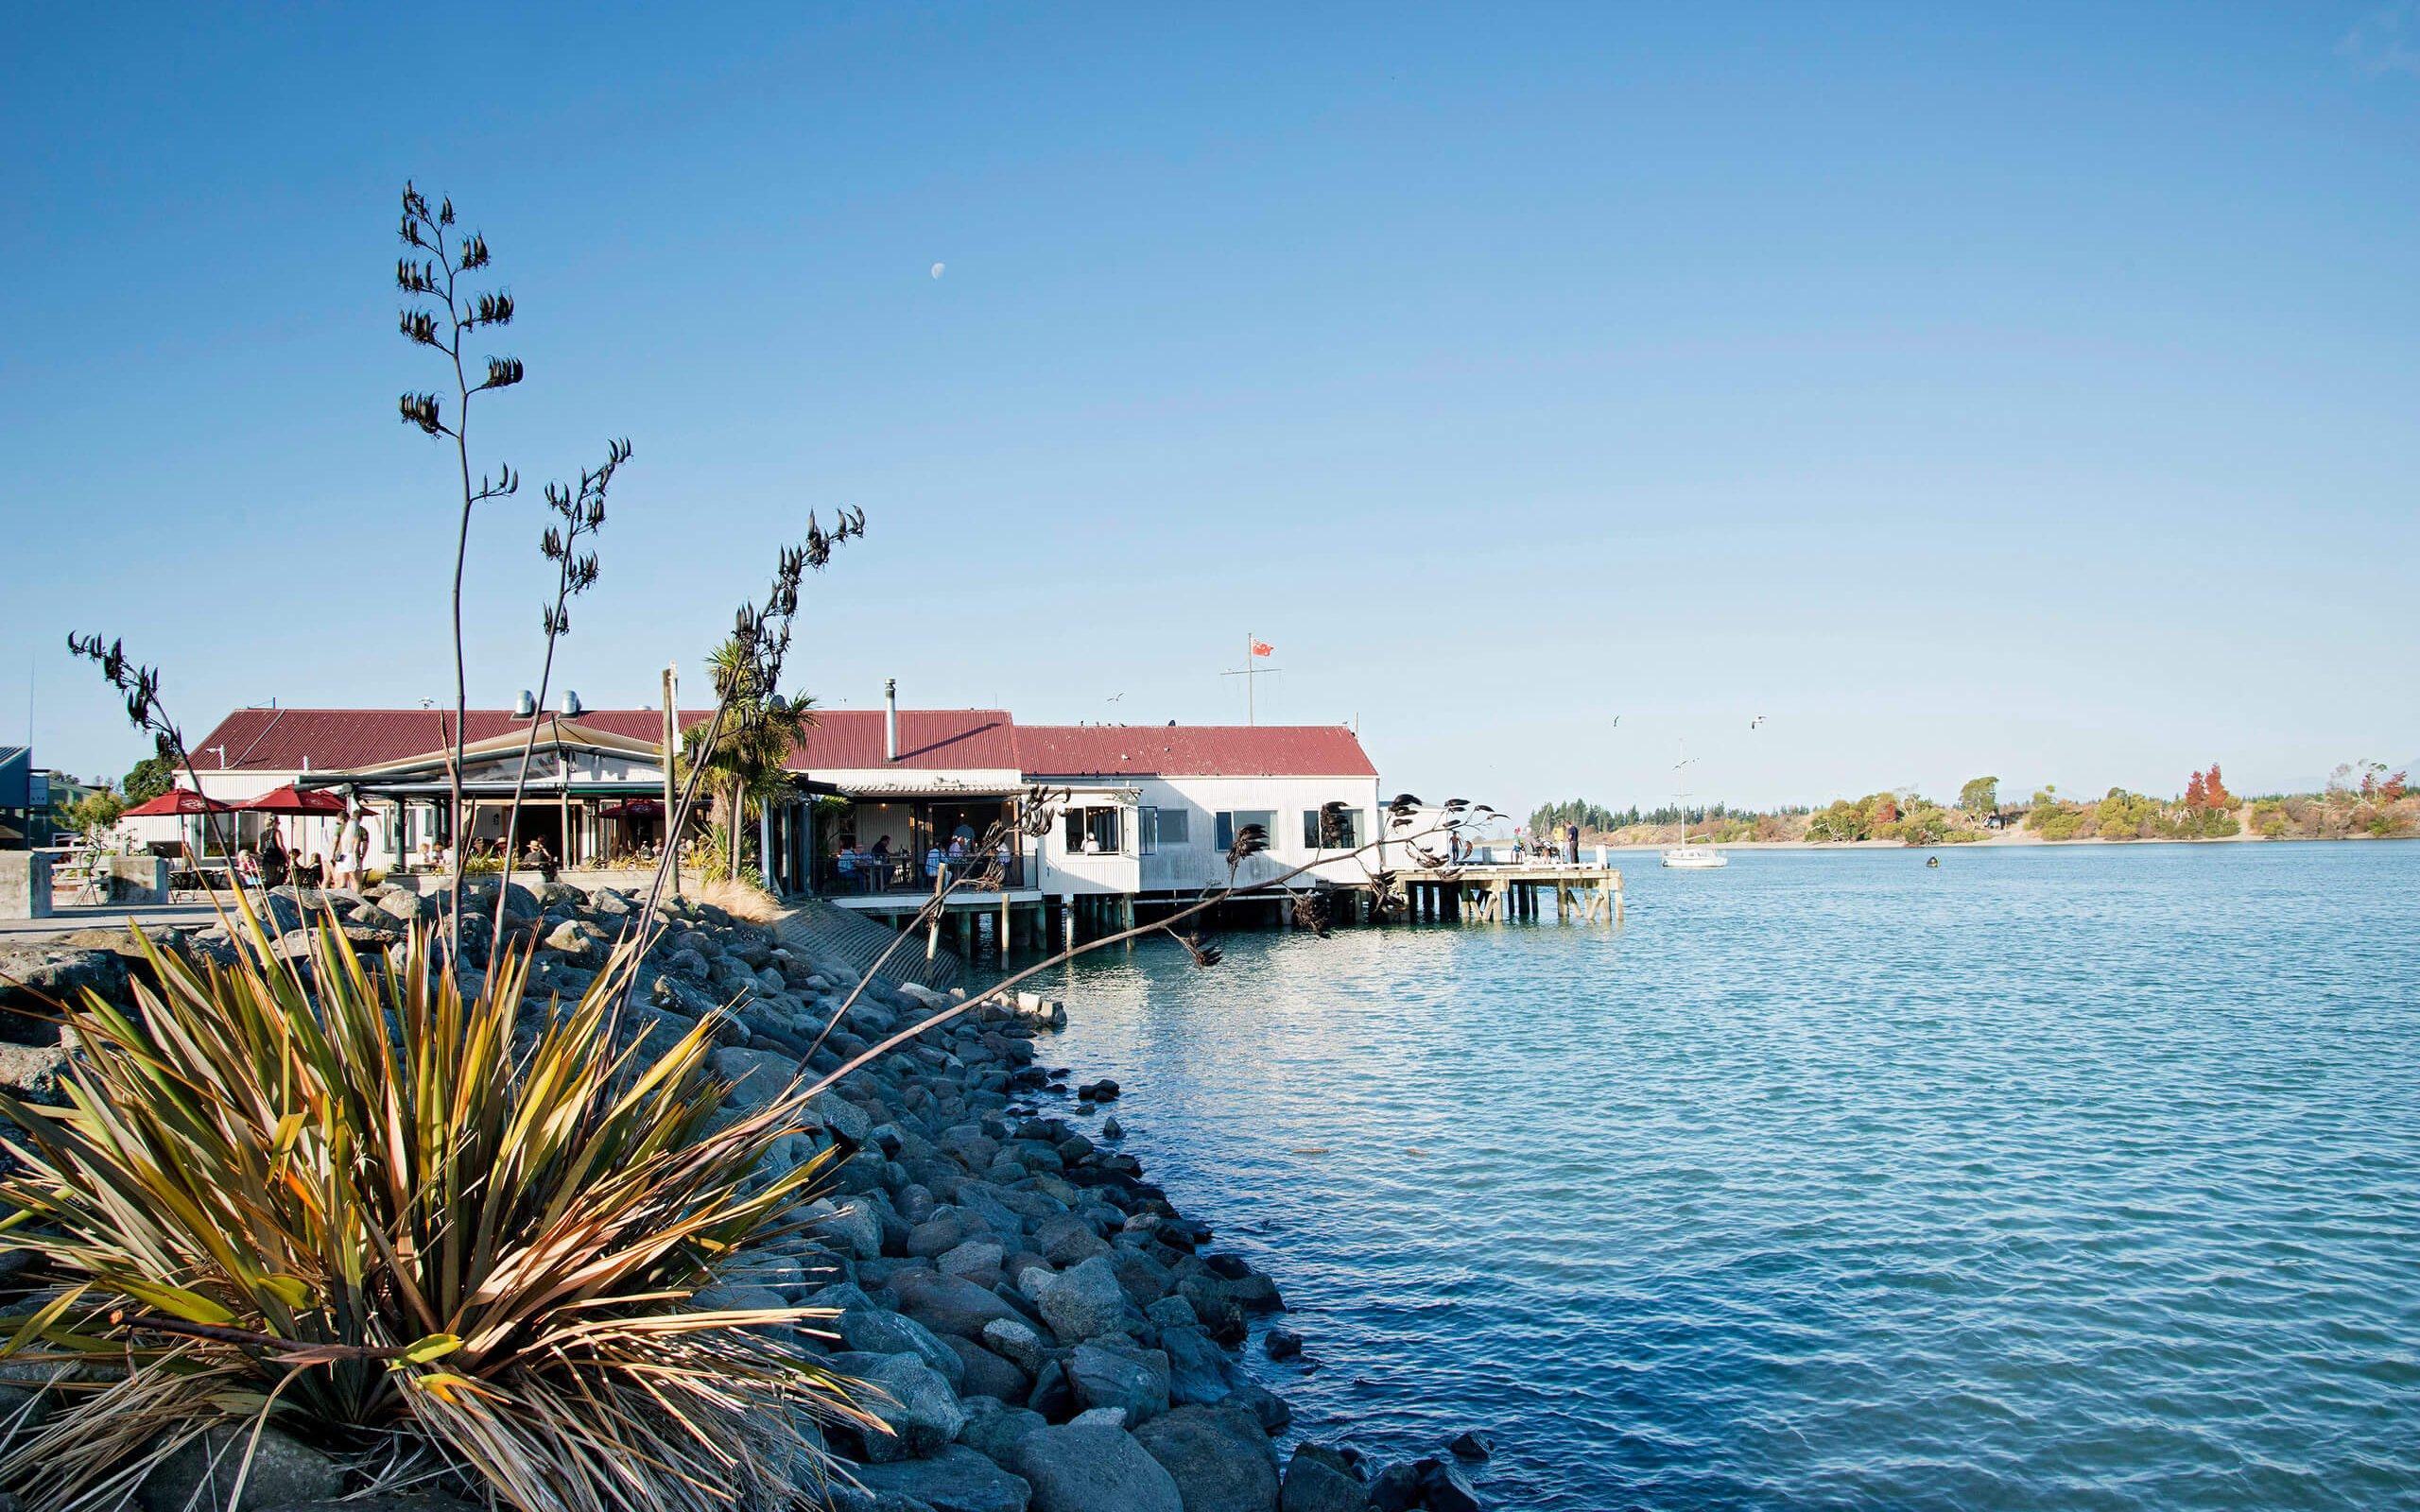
2361, 798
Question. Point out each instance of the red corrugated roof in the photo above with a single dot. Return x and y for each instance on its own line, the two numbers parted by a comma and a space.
281, 740
929, 740
290, 740
1191, 751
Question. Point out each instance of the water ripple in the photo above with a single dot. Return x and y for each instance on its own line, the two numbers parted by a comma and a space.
2080, 1178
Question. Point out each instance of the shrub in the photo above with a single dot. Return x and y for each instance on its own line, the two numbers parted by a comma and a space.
354, 1211
741, 899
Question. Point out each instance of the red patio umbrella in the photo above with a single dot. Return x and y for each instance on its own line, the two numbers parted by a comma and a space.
179, 801
292, 800
637, 808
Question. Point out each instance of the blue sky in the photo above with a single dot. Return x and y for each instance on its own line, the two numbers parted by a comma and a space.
1960, 390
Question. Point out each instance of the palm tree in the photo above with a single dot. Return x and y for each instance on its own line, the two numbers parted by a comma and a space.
745, 766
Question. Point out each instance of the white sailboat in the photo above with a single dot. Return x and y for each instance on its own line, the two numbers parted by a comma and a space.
1685, 856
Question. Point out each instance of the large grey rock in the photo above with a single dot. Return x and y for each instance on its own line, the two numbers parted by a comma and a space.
201, 1474
949, 1304
405, 904
1219, 1459
32, 977
31, 1073
956, 1479
1087, 1468
1318, 1479
301, 944
922, 1410
1443, 1488
995, 1433
678, 995
1198, 1367
1214, 1303
1014, 1340
1135, 1380
520, 903
757, 1077
852, 1225
1081, 1303
938, 1234
579, 942
874, 1331
972, 1258
1066, 1240
842, 1117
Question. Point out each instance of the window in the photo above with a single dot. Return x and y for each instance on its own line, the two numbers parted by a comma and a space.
1097, 826
1231, 821
1156, 828
1348, 830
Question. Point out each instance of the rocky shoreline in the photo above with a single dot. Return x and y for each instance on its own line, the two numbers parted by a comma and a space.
1048, 1332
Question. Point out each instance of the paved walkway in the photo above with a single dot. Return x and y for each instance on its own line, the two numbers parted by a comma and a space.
817, 926
116, 916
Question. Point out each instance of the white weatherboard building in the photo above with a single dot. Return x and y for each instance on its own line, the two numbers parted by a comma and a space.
1150, 813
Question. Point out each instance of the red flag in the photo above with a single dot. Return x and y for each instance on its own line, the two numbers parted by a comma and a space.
1263, 649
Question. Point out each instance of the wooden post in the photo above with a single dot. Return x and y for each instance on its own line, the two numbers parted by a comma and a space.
671, 745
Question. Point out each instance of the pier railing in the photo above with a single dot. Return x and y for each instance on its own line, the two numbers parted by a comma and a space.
901, 875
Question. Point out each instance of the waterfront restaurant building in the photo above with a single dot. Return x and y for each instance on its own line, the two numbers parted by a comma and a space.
1151, 812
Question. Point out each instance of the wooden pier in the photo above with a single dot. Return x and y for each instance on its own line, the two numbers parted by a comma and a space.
1026, 919
1494, 894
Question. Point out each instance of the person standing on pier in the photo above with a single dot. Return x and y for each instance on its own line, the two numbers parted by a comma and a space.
1571, 845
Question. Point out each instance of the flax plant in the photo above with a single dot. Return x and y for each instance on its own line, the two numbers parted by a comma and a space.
443, 315
582, 511
331, 1194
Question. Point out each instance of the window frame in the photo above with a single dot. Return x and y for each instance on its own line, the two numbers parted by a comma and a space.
1077, 822
1350, 841
1230, 820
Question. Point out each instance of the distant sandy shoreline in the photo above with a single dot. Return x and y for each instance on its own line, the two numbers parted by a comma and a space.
2010, 838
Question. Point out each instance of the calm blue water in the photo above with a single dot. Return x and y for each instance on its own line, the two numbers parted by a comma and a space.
2079, 1178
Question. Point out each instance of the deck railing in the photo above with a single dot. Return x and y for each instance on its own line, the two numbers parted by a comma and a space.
901, 874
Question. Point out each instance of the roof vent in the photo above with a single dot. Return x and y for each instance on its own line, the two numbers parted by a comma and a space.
525, 704
891, 719
570, 705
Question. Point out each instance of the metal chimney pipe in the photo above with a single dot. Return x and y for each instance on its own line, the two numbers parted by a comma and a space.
891, 719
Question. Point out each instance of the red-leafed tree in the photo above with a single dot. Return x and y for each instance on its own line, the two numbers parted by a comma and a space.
2197, 792
2393, 788
2214, 789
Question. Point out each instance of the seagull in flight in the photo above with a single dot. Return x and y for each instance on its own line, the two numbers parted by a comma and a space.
1754, 723
1115, 697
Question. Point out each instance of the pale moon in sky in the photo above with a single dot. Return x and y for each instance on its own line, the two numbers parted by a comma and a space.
937, 268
